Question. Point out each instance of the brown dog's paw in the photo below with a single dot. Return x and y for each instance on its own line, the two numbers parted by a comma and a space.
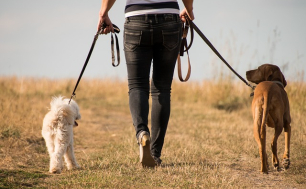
276, 167
264, 172
286, 163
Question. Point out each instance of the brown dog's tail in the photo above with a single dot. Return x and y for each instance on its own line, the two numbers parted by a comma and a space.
264, 113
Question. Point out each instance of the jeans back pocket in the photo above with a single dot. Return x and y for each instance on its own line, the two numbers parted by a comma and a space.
171, 39
132, 39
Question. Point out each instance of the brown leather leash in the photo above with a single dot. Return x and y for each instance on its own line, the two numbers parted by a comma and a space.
189, 24
116, 30
184, 43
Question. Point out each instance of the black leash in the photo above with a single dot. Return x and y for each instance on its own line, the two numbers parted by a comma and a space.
116, 30
192, 27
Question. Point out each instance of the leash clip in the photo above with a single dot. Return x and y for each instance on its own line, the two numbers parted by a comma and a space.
72, 96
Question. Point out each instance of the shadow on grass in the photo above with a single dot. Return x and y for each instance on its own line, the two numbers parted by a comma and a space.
20, 178
204, 163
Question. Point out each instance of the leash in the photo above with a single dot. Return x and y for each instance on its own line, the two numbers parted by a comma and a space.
182, 50
192, 26
116, 30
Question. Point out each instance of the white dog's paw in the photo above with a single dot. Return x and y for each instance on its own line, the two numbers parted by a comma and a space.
55, 170
77, 166
55, 166
73, 166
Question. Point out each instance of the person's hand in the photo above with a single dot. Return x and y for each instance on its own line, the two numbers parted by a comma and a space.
107, 22
188, 13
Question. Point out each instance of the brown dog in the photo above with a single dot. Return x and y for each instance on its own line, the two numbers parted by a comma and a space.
270, 106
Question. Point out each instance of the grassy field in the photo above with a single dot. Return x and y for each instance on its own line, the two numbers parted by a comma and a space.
209, 142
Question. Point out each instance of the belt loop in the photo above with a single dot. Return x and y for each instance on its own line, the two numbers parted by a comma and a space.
156, 19
146, 18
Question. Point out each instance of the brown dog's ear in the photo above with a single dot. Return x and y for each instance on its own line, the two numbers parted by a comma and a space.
278, 75
273, 73
268, 75
267, 71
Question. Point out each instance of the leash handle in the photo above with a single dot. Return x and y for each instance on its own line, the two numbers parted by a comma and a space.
185, 30
184, 48
116, 30
103, 26
117, 49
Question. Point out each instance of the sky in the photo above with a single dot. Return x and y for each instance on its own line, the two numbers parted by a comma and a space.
51, 39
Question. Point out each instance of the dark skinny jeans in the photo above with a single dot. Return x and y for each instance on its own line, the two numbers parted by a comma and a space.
147, 38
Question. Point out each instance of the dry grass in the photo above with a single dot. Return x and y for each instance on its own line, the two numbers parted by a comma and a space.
209, 142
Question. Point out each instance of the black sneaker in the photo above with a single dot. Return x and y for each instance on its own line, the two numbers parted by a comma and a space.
157, 160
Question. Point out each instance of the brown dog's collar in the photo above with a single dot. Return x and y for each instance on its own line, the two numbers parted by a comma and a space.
278, 82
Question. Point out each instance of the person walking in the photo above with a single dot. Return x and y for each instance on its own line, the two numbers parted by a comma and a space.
152, 32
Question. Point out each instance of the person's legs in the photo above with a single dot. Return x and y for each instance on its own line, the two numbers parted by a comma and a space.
156, 38
164, 60
139, 53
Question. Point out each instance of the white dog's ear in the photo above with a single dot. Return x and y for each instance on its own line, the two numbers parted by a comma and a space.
79, 116
76, 109
68, 112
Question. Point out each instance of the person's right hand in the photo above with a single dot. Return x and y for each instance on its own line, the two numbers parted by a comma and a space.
188, 13
107, 22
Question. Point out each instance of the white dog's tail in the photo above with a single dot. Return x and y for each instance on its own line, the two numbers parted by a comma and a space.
62, 110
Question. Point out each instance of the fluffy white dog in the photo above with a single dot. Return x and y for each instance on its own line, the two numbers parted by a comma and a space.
57, 131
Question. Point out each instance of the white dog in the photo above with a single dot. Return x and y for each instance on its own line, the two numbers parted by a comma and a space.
57, 131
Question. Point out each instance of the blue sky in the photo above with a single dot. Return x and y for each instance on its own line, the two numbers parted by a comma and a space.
52, 38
